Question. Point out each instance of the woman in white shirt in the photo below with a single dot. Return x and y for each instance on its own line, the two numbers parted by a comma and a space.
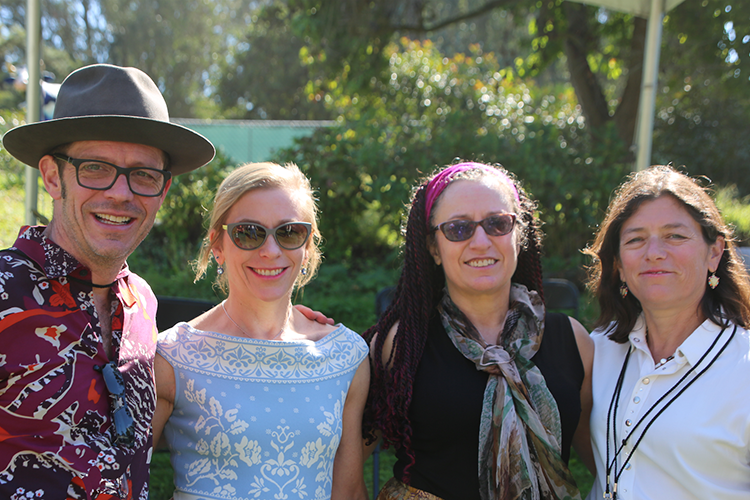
671, 376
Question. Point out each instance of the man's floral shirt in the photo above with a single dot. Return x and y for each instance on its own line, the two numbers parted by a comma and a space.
56, 430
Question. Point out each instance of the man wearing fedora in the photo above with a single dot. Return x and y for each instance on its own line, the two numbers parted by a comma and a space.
77, 329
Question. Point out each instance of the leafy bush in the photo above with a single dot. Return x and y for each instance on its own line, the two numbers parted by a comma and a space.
736, 212
13, 170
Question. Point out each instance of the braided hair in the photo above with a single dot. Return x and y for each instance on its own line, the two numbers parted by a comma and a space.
419, 289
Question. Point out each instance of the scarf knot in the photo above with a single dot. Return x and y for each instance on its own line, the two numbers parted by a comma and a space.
495, 360
520, 431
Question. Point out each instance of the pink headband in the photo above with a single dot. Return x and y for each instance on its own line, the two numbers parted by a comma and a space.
441, 181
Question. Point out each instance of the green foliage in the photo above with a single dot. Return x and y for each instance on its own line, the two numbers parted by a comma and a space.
425, 111
13, 170
345, 39
247, 90
703, 107
736, 212
12, 186
161, 481
709, 38
178, 43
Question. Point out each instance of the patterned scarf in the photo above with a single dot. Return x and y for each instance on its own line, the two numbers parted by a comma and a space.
520, 433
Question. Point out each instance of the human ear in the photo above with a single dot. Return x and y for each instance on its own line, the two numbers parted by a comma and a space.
432, 247
50, 173
716, 250
216, 249
618, 268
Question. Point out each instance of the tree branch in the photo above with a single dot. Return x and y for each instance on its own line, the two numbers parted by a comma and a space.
421, 28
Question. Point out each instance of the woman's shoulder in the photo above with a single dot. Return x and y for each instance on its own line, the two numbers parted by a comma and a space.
171, 335
176, 335
342, 333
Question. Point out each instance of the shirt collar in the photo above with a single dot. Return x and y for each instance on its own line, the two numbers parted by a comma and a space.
52, 258
692, 348
696, 345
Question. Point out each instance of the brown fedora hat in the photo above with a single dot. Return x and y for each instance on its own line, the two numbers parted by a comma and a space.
102, 102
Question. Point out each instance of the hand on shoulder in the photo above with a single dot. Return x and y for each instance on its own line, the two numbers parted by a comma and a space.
309, 328
314, 315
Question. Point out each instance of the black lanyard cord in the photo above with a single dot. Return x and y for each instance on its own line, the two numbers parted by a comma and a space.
613, 416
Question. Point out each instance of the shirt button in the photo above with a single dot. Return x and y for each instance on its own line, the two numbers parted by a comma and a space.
646, 380
636, 400
628, 422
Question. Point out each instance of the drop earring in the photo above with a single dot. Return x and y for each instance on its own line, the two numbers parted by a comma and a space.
219, 268
624, 290
713, 281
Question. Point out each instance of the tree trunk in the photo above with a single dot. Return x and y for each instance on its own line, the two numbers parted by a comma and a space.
626, 115
587, 87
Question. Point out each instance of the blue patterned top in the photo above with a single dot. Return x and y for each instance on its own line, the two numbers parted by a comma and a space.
256, 418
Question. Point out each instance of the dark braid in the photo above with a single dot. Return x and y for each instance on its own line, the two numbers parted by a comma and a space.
417, 294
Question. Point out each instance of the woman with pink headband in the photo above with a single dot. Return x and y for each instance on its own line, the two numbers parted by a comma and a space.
479, 390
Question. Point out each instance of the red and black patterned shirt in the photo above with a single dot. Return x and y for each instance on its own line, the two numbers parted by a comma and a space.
56, 431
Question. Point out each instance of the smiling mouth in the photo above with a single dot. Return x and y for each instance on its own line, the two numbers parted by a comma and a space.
113, 219
269, 272
481, 262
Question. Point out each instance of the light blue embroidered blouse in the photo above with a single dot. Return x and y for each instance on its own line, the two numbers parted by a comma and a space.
254, 418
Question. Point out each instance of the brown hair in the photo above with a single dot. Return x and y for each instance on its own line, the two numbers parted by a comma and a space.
730, 301
247, 178
418, 292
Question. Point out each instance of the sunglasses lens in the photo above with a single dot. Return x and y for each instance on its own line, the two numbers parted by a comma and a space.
248, 236
498, 225
124, 426
292, 236
462, 230
458, 230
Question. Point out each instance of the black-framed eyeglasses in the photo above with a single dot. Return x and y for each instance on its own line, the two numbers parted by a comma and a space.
101, 175
463, 229
251, 236
123, 419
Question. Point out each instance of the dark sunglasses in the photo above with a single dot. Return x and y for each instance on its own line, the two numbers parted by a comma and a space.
124, 423
463, 229
251, 236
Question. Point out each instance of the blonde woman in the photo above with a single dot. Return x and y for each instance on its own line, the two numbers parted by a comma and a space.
255, 399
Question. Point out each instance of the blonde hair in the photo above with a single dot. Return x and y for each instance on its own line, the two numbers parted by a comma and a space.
250, 177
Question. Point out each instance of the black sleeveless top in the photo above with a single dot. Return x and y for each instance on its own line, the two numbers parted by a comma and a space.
447, 403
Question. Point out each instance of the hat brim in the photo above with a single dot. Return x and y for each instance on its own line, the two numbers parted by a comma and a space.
186, 148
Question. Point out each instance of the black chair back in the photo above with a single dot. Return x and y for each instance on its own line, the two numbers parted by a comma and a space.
172, 310
561, 295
